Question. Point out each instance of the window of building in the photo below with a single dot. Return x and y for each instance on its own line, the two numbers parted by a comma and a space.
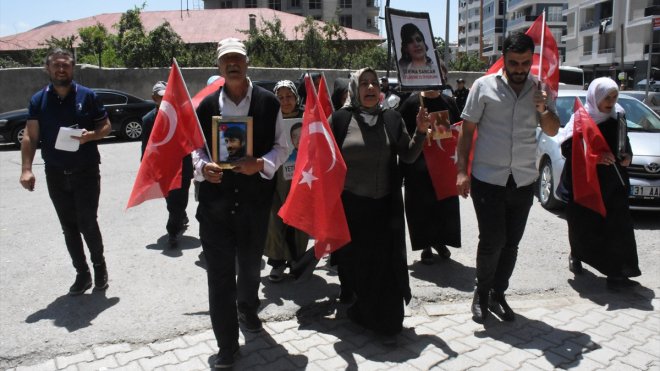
226, 4
294, 4
346, 21
554, 14
371, 3
345, 4
370, 22
315, 4
250, 3
275, 4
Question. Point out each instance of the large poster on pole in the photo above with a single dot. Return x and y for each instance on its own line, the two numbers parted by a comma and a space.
414, 49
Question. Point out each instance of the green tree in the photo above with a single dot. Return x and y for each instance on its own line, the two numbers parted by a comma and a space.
468, 62
163, 44
64, 42
93, 41
267, 45
131, 39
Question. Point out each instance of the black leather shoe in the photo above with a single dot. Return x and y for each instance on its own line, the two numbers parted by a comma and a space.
443, 251
251, 322
83, 283
226, 358
427, 256
479, 307
574, 265
100, 277
499, 306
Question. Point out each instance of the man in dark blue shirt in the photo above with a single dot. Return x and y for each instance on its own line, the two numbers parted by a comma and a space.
72, 162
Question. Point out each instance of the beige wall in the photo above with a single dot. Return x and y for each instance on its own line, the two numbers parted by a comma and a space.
17, 85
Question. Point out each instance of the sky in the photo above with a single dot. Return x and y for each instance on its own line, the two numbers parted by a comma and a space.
21, 15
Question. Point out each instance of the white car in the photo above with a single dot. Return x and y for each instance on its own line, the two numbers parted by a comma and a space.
644, 171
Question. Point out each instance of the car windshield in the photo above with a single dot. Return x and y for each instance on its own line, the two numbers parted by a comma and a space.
638, 116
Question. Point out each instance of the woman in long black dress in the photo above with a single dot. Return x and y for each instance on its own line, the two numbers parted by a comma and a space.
373, 265
605, 243
432, 223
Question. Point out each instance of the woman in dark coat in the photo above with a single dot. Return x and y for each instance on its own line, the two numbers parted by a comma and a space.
373, 266
432, 223
605, 243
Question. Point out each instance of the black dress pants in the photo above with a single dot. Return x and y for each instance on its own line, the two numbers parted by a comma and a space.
232, 234
177, 202
502, 215
75, 195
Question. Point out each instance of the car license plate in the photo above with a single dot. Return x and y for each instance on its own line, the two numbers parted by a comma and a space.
645, 191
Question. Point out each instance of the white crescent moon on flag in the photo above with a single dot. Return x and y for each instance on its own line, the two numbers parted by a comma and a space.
170, 112
317, 127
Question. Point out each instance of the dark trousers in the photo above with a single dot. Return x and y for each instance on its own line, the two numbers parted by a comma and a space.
177, 202
232, 234
502, 215
75, 195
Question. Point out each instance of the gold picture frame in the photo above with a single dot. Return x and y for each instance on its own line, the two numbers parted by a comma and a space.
232, 139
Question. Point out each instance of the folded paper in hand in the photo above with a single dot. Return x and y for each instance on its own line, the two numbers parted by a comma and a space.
64, 142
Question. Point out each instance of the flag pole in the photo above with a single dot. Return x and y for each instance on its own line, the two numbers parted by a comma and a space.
206, 145
541, 52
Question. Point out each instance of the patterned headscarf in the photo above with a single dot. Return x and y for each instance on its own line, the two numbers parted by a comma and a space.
354, 94
287, 84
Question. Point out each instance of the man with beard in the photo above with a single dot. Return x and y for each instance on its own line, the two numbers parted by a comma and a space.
235, 143
506, 107
234, 205
72, 177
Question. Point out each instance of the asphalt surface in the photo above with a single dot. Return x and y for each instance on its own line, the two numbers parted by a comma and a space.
157, 293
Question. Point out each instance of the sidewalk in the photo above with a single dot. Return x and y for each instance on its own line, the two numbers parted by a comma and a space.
611, 331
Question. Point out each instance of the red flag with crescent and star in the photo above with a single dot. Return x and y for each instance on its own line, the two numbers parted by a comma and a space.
543, 39
324, 97
314, 202
441, 156
175, 134
588, 145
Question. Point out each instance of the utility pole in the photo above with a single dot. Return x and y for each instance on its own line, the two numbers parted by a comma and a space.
447, 35
625, 78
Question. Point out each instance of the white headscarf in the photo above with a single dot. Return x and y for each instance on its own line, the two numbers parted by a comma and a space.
598, 90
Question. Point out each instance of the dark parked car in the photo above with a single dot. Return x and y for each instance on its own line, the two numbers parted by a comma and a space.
125, 112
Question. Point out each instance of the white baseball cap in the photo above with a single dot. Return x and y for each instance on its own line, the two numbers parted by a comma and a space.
231, 45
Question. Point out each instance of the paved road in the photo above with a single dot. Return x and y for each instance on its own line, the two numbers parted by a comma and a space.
157, 294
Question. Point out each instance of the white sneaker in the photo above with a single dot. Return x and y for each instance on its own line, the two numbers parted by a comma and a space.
277, 273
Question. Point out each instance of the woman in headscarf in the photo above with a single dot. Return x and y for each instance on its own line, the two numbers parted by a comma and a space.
373, 266
285, 244
605, 243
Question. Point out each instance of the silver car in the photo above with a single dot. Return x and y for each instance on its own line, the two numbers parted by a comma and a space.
644, 171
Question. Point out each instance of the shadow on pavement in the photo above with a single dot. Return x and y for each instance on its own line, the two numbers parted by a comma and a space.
301, 293
262, 352
74, 312
183, 243
445, 273
592, 287
561, 348
356, 340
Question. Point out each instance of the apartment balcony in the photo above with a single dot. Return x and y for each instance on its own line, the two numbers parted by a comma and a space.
513, 4
606, 51
516, 23
372, 9
589, 25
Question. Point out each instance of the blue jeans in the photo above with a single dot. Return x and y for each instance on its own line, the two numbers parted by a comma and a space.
75, 195
502, 216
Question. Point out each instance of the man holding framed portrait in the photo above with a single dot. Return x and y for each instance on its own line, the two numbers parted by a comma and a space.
235, 195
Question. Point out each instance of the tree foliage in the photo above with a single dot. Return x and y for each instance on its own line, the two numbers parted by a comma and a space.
468, 62
163, 44
93, 41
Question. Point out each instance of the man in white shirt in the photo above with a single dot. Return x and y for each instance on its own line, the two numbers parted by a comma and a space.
234, 205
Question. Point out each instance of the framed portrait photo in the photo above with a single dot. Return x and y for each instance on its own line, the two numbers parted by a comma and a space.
292, 128
414, 50
232, 139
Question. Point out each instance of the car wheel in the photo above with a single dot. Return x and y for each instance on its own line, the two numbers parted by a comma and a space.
17, 136
546, 186
132, 129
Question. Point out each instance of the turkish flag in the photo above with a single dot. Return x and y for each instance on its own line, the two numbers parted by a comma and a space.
550, 61
314, 202
208, 89
175, 134
588, 145
441, 156
324, 97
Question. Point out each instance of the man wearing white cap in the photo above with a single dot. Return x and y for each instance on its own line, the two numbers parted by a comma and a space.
177, 199
234, 205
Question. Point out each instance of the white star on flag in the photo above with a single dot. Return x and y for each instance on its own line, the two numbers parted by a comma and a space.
308, 177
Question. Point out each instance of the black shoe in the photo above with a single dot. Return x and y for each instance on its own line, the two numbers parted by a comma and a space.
184, 222
443, 251
226, 358
479, 307
250, 321
173, 240
499, 306
100, 277
83, 282
574, 265
303, 269
427, 256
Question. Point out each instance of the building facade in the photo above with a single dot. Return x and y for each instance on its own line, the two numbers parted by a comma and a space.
608, 37
359, 14
522, 13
